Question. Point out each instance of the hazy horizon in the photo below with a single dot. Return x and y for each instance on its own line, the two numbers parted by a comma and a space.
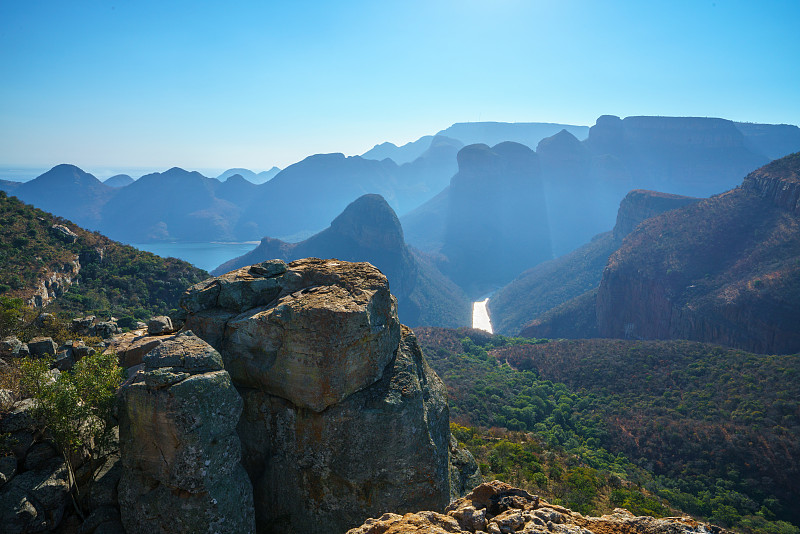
256, 85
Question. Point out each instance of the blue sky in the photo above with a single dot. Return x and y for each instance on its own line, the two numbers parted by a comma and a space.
202, 85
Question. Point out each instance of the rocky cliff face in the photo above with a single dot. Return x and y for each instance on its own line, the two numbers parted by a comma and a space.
778, 182
342, 416
498, 508
178, 444
724, 270
639, 205
53, 284
553, 299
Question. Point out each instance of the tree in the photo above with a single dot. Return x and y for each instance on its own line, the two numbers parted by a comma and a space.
76, 408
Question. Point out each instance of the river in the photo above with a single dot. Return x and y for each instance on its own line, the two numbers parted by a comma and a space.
480, 316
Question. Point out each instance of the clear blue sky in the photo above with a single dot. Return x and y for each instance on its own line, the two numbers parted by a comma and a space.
212, 85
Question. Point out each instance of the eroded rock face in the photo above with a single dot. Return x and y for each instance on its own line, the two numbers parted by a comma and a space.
498, 508
312, 334
342, 418
179, 449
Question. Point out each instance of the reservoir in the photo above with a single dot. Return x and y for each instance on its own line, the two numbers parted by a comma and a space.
480, 315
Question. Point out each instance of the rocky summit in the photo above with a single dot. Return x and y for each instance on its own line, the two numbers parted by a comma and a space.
498, 508
343, 418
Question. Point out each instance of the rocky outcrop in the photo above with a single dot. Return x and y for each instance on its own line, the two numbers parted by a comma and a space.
342, 417
778, 182
181, 468
53, 284
498, 508
639, 205
34, 488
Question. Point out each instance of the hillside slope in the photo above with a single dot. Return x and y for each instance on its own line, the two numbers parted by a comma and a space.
47, 260
725, 270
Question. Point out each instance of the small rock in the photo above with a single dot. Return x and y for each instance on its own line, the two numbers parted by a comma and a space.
8, 468
42, 346
43, 319
159, 325
83, 325
19, 418
9, 347
64, 233
64, 360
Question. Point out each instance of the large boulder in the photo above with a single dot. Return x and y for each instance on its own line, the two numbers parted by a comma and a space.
179, 449
343, 417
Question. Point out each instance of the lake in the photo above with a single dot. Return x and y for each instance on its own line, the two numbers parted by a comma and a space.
206, 256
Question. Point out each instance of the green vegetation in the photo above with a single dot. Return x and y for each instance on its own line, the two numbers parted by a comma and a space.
114, 279
75, 408
651, 425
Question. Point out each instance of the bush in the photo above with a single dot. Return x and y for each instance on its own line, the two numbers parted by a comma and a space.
76, 408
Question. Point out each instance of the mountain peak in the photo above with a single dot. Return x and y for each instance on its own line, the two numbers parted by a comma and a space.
370, 221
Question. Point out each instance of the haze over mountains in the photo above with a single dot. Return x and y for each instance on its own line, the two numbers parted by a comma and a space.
479, 204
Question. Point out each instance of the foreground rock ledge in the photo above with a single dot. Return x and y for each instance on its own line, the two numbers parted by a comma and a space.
498, 508
343, 418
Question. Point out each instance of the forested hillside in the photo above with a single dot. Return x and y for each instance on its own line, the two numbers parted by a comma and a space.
707, 430
48, 260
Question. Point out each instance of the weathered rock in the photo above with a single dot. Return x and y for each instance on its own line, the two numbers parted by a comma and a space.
131, 347
159, 325
180, 453
498, 508
464, 471
8, 468
38, 455
19, 418
42, 346
287, 349
106, 329
83, 325
64, 360
64, 233
103, 492
100, 516
9, 347
330, 380
34, 501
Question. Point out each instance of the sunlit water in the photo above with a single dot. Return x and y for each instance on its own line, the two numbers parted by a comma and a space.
480, 316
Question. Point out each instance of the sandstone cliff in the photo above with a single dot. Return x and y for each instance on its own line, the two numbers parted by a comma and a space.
342, 416
498, 508
724, 270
